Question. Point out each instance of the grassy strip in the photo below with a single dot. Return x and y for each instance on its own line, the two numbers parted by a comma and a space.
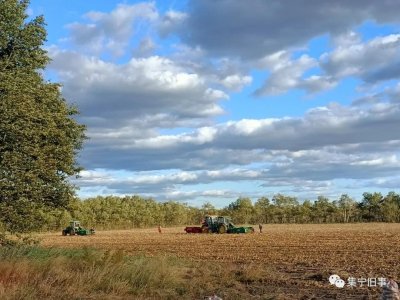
38, 273
33, 272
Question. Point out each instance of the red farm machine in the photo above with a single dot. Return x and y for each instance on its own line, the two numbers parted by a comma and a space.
218, 224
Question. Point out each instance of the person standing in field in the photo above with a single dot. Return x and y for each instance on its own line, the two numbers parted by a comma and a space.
260, 227
159, 229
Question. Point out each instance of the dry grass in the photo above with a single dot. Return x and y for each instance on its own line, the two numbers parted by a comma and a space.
37, 273
284, 262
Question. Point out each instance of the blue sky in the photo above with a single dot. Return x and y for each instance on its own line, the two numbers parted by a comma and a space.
212, 100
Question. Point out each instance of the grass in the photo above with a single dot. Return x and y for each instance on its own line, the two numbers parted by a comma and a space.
33, 272
39, 273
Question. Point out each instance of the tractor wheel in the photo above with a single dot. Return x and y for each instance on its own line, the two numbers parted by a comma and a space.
64, 233
222, 229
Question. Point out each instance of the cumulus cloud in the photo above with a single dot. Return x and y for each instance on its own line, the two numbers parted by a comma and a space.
151, 113
250, 141
392, 183
111, 31
146, 47
351, 57
287, 73
165, 179
171, 21
236, 82
372, 61
165, 185
296, 171
154, 89
265, 33
257, 28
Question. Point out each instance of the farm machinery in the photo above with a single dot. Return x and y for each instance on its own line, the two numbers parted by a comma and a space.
218, 224
75, 228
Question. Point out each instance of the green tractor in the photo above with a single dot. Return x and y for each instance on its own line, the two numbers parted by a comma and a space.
220, 224
209, 224
75, 228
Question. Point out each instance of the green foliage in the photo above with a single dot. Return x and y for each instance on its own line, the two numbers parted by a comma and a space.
347, 207
208, 209
123, 213
39, 138
284, 208
113, 212
371, 206
390, 208
241, 210
263, 210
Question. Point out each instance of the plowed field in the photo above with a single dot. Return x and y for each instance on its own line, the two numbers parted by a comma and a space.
298, 259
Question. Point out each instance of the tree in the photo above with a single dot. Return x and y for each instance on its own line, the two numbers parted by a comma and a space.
241, 210
39, 137
347, 207
391, 207
285, 207
262, 208
208, 209
305, 212
323, 210
371, 206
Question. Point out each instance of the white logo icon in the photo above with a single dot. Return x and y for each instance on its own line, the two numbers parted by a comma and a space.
340, 283
337, 281
333, 278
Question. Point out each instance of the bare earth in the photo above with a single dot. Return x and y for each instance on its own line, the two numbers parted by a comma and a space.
297, 259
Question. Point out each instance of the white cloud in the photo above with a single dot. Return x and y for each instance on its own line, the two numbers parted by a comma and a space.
170, 21
351, 57
152, 88
145, 48
111, 31
391, 160
287, 73
251, 31
349, 134
365, 60
152, 117
236, 82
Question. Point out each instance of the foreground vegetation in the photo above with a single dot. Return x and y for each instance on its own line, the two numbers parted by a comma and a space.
39, 273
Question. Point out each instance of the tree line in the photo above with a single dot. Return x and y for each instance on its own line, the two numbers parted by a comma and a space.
114, 212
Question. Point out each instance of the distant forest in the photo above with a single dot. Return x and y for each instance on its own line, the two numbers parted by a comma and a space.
113, 212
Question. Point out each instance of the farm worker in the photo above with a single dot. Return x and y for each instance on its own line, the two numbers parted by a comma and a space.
260, 227
390, 291
159, 228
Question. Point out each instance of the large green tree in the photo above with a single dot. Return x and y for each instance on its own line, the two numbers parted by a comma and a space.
241, 210
347, 207
39, 137
263, 210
